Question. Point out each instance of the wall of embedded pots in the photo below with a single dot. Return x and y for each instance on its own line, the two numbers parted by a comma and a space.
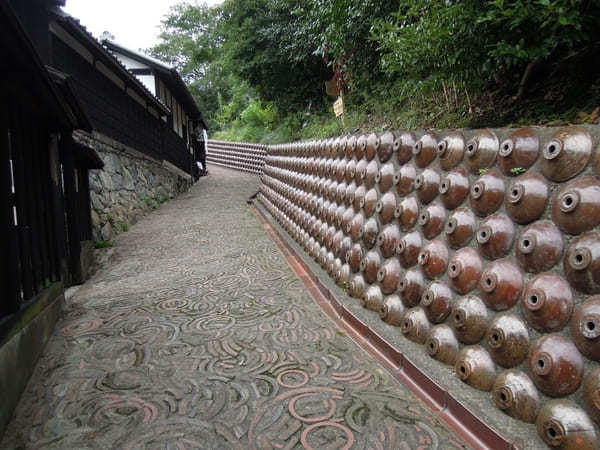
483, 246
242, 156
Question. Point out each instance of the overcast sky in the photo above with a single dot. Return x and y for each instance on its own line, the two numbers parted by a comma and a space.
134, 23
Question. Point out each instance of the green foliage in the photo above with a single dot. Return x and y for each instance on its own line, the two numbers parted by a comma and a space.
517, 170
124, 227
104, 244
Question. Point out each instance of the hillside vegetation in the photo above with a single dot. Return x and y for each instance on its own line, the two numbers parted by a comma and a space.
258, 68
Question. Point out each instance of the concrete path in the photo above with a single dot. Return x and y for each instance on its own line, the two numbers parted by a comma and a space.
199, 335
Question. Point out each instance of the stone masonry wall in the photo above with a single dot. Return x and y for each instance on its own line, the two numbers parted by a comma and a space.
130, 185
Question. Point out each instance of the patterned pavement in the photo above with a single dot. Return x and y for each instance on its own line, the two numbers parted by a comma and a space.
199, 335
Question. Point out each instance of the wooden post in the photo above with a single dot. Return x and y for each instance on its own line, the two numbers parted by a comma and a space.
74, 243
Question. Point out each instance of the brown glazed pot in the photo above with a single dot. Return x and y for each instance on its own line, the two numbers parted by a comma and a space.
527, 198
518, 152
357, 286
386, 207
347, 219
441, 344
350, 147
563, 424
487, 194
372, 299
354, 257
481, 151
539, 246
370, 266
415, 325
350, 171
392, 310
516, 395
432, 220
495, 236
369, 232
343, 275
576, 207
370, 202
389, 275
591, 394
425, 149
389, 143
501, 284
407, 213
475, 367
361, 166
585, 328
547, 303
464, 270
405, 149
582, 263
427, 185
359, 198
405, 178
433, 259
370, 173
350, 193
454, 188
408, 248
450, 150
460, 228
410, 287
373, 144
345, 247
508, 340
361, 145
385, 177
556, 365
388, 240
566, 154
470, 319
437, 302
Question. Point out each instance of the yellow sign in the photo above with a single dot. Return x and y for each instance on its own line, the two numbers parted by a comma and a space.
338, 107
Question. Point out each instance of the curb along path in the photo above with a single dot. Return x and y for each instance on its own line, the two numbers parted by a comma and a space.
199, 335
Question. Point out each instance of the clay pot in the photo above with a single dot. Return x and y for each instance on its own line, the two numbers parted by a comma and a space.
547, 303
359, 198
501, 284
350, 147
361, 145
495, 236
527, 198
370, 173
407, 213
369, 266
460, 228
415, 325
432, 220
350, 172
369, 232
454, 188
388, 240
342, 276
464, 270
385, 177
441, 344
410, 287
475, 367
437, 302
357, 286
556, 365
354, 257
389, 143
539, 246
389, 276
518, 152
405, 178
386, 207
344, 248
450, 150
373, 144
566, 154
576, 207
487, 194
350, 193
591, 394
405, 149
516, 395
370, 202
347, 219
425, 149
356, 226
433, 259
470, 319
337, 243
372, 299
585, 328
561, 423
361, 167
582, 263
427, 185
508, 340
481, 151
392, 311
408, 249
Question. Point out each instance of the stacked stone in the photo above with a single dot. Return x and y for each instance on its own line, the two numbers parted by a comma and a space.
241, 156
483, 246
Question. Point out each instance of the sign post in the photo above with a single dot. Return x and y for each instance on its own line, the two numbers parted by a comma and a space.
338, 108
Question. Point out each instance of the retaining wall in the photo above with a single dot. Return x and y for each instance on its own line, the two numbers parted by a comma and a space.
480, 246
242, 156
